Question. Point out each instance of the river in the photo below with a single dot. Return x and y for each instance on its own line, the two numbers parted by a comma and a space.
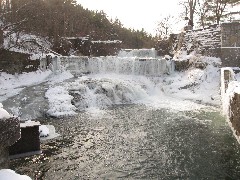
137, 142
132, 119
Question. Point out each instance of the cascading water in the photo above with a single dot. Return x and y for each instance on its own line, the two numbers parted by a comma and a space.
145, 64
107, 81
111, 80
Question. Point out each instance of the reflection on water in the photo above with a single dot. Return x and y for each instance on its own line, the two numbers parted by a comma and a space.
134, 142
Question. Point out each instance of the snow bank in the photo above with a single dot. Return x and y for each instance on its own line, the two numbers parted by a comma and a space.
44, 131
199, 85
3, 113
60, 102
8, 174
11, 85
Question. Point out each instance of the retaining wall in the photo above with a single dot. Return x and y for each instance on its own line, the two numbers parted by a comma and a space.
231, 99
230, 52
206, 41
217, 40
234, 113
9, 134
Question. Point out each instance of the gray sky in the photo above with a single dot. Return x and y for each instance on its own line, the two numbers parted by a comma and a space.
135, 14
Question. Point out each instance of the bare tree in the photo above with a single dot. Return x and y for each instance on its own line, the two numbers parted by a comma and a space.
190, 9
165, 26
202, 11
219, 9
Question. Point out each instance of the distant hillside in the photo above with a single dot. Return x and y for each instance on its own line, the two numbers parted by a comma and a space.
65, 18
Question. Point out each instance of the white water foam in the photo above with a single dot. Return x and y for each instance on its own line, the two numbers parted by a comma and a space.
130, 80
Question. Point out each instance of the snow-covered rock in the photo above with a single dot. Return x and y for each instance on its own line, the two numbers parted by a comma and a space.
3, 113
60, 102
43, 131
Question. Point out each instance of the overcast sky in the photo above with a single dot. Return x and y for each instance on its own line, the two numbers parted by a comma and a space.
135, 14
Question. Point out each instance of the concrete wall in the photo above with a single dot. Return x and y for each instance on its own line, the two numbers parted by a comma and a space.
230, 34
234, 113
230, 53
230, 57
231, 100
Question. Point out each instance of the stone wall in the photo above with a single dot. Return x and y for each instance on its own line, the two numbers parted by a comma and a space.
14, 62
205, 41
230, 53
230, 34
217, 40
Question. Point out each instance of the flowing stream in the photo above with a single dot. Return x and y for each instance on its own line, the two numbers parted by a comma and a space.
135, 142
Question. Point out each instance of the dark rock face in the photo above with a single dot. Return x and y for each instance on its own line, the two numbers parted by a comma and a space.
163, 46
4, 158
1, 37
84, 46
14, 62
9, 134
182, 65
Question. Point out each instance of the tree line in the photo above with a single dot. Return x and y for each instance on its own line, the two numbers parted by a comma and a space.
209, 11
66, 18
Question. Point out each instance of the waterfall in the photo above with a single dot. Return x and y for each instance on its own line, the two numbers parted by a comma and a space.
135, 62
